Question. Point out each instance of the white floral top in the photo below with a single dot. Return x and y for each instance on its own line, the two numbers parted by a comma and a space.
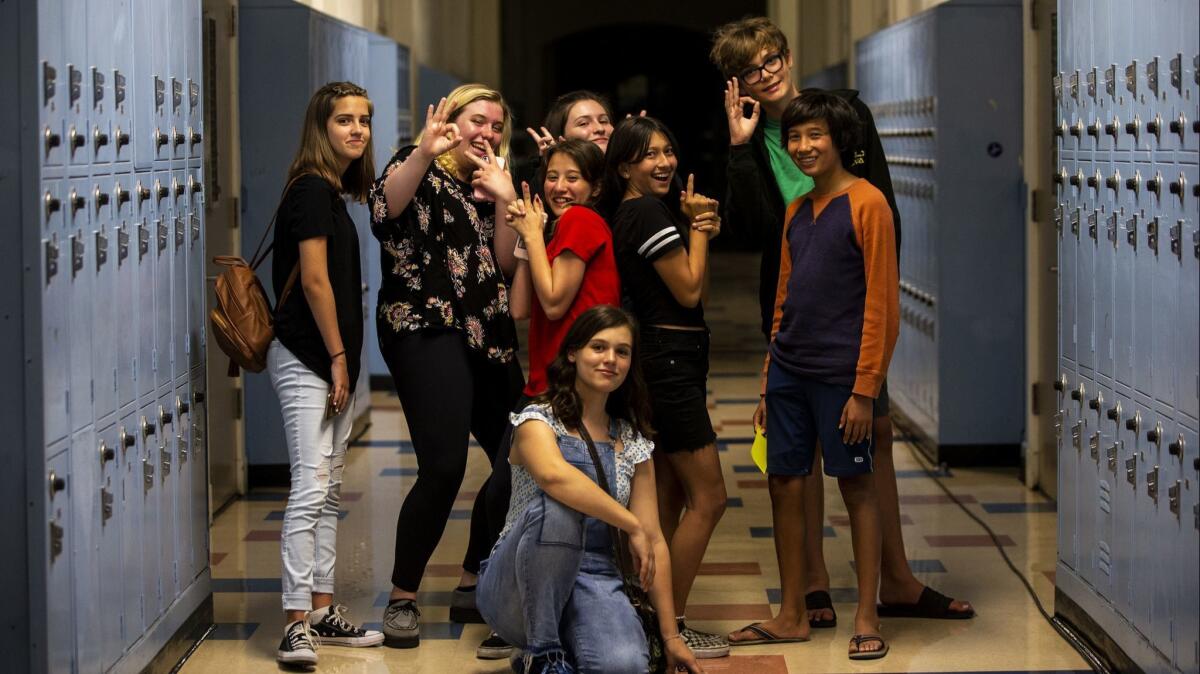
439, 264
635, 449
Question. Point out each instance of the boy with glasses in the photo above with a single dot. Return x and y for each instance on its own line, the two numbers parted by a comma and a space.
753, 53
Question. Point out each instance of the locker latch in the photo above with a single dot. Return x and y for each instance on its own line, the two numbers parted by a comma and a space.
1074, 80
160, 92
1077, 436
179, 227
1110, 81
122, 244
1152, 234
77, 253
1173, 498
1075, 222
97, 87
183, 448
193, 94
1091, 84
118, 88
165, 456
1131, 470
1131, 72
147, 474
1112, 457
74, 83
106, 505
1058, 427
101, 247
1176, 67
49, 82
195, 221
1112, 227
1094, 446
143, 240
1152, 484
56, 541
1058, 219
177, 93
1152, 75
1196, 243
51, 246
1058, 86
1131, 230
1176, 233
162, 235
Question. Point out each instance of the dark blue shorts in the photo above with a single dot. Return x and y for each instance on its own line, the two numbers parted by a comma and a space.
801, 412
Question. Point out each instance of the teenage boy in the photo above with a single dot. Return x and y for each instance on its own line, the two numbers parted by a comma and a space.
836, 319
762, 179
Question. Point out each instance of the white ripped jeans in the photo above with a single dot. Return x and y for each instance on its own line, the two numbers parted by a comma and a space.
317, 453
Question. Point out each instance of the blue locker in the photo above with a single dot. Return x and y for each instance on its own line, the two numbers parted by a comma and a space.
1104, 457
1124, 473
167, 495
102, 260
1085, 287
98, 70
56, 281
124, 256
1145, 309
53, 86
181, 472
163, 271
112, 573
79, 94
1188, 551
1145, 541
1068, 251
85, 551
143, 233
1124, 317
197, 415
119, 91
1184, 245
60, 609
81, 281
151, 109
151, 507
177, 247
1166, 301
132, 480
1103, 252
193, 31
1165, 601
197, 281
1068, 466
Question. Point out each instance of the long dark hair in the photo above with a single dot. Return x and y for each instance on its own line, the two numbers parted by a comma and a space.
315, 154
556, 119
587, 157
629, 402
629, 144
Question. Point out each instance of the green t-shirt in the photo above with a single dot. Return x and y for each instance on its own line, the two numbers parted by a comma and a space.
792, 181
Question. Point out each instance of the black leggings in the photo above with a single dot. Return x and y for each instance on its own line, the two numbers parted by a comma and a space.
447, 391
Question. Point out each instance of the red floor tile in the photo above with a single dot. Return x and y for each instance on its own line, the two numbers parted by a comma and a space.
262, 535
967, 541
729, 611
443, 570
1050, 576
752, 484
218, 556
933, 499
351, 496
730, 569
746, 664
466, 495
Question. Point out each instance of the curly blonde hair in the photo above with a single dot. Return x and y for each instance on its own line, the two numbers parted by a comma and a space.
460, 98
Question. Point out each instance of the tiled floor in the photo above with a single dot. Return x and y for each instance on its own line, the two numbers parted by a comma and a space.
738, 584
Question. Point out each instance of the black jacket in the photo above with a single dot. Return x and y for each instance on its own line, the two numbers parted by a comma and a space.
754, 206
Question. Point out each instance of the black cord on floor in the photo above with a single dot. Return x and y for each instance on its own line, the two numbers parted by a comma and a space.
1094, 660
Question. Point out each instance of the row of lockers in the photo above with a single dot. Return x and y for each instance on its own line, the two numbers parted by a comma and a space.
120, 81
958, 189
1126, 99
120, 260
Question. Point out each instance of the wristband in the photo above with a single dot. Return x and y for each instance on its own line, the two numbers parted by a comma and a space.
339, 353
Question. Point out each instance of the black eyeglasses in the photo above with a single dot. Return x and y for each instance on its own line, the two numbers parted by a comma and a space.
754, 74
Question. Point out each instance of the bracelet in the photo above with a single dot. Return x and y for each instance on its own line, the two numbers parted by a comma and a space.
339, 353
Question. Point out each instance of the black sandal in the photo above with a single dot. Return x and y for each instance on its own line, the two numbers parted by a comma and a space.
932, 604
817, 600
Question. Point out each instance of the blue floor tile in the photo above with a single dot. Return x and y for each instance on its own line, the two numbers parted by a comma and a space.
918, 472
460, 514
922, 565
1012, 508
232, 631
398, 472
746, 469
277, 515
266, 496
839, 595
733, 502
374, 443
245, 585
737, 401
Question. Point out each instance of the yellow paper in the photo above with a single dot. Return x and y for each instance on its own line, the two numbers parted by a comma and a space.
758, 450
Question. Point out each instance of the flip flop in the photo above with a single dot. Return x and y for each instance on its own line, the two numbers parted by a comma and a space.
859, 639
765, 637
815, 601
932, 604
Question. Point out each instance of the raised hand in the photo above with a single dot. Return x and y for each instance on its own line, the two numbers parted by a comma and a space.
708, 222
439, 135
544, 141
693, 204
527, 215
741, 128
491, 177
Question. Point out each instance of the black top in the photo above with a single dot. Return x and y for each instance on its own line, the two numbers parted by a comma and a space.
754, 207
313, 208
439, 265
643, 231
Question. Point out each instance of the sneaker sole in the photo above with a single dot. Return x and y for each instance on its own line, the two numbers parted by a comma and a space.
401, 642
482, 653
709, 653
352, 642
468, 616
295, 660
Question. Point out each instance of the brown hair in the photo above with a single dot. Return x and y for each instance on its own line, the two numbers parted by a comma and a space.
556, 119
737, 44
588, 158
316, 155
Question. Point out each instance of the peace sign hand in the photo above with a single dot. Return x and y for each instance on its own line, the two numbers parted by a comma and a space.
545, 141
491, 177
740, 128
527, 215
439, 135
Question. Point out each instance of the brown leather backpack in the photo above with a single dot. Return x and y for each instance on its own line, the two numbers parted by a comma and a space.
243, 322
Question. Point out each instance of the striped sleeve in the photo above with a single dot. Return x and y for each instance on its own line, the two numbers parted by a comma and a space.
655, 233
872, 218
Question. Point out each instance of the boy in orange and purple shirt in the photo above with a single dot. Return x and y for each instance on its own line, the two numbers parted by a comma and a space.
835, 326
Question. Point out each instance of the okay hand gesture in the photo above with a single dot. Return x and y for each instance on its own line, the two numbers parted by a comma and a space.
439, 136
741, 128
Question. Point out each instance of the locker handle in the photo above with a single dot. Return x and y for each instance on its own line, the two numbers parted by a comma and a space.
99, 198
178, 187
1076, 394
1093, 129
160, 139
198, 397
122, 138
1154, 434
1134, 423
99, 139
143, 192
75, 140
147, 428
160, 190
177, 138
1179, 126
1094, 403
1155, 184
1077, 129
122, 195
1176, 448
1061, 129
1154, 126
1093, 180
106, 453
1179, 187
57, 484
52, 205
1113, 182
195, 138
125, 439
181, 407
1134, 182
1113, 128
76, 201
1060, 384
51, 140
1134, 128
165, 416
1114, 413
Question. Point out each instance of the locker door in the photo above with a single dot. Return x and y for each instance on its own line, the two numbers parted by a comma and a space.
78, 113
1068, 247
1161, 583
168, 491
1066, 435
163, 277
1123, 297
102, 260
82, 281
177, 247
53, 85
142, 232
1127, 421
85, 551
197, 283
100, 19
1167, 525
56, 279
199, 458
120, 84
111, 570
193, 32
150, 491
60, 645
1166, 298
1145, 508
1086, 288
183, 468
1145, 309
151, 140
129, 451
174, 52
123, 255
1185, 247
1188, 648
1086, 443
1103, 289
1104, 456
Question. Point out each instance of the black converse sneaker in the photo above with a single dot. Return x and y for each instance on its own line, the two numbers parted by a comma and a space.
493, 648
297, 648
331, 628
703, 644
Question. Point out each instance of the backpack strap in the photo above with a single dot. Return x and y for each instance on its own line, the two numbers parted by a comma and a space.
256, 259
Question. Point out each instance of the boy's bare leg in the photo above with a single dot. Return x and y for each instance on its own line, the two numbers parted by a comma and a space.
699, 474
787, 502
817, 577
863, 506
897, 584
670, 495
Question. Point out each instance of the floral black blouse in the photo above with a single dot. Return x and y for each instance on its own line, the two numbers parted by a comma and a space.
439, 266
